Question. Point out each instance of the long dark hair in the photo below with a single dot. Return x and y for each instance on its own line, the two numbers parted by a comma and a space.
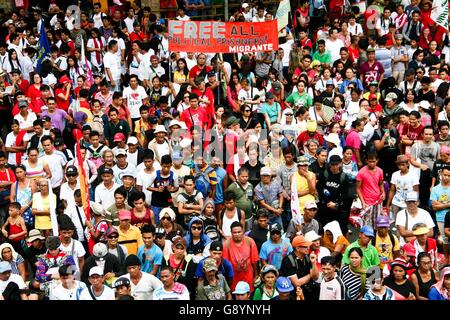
231, 83
185, 69
10, 52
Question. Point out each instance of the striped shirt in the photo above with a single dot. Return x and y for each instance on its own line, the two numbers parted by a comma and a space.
15, 264
352, 282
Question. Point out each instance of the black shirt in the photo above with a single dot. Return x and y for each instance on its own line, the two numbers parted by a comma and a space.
301, 268
404, 289
332, 187
317, 169
31, 255
254, 176
259, 235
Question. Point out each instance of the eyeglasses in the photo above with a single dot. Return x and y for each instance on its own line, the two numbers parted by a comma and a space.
197, 228
113, 237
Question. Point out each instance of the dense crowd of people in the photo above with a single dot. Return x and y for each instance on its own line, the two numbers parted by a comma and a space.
319, 171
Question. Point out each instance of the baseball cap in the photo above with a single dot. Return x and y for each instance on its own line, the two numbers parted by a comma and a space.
122, 281
71, 170
34, 235
97, 208
372, 97
107, 170
209, 264
373, 83
269, 95
64, 80
22, 104
302, 161
216, 246
127, 174
66, 270
178, 241
52, 242
269, 268
390, 96
211, 73
112, 231
5, 266
409, 249
119, 136
329, 83
242, 287
401, 158
121, 152
370, 50
424, 104
100, 250
412, 196
275, 227
96, 271
153, 57
276, 86
382, 221
231, 121
160, 231
310, 205
245, 5
300, 241
283, 284
124, 215
335, 159
367, 230
265, 171
132, 140
174, 122
59, 142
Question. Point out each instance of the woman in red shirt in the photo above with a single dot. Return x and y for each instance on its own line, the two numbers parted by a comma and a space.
62, 93
34, 92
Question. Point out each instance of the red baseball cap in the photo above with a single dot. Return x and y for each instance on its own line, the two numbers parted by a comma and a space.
372, 96
119, 137
409, 249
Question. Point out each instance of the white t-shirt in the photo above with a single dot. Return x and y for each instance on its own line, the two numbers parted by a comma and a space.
110, 61
100, 44
71, 211
56, 164
26, 123
145, 180
76, 250
129, 23
66, 193
107, 294
9, 142
61, 293
334, 47
105, 196
134, 99
12, 278
421, 217
403, 185
145, 287
161, 294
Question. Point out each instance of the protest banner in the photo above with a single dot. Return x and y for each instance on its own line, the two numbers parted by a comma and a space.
223, 37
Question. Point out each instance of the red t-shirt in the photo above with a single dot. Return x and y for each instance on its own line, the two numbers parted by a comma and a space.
195, 71
60, 103
413, 134
371, 72
241, 257
23, 86
7, 175
194, 117
305, 137
370, 184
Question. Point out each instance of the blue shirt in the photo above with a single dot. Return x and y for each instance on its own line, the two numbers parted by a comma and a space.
441, 194
274, 253
221, 174
153, 256
225, 268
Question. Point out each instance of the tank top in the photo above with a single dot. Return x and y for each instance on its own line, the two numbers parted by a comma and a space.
36, 172
424, 287
15, 229
226, 222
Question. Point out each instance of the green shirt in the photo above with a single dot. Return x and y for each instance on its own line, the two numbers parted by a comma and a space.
242, 200
323, 58
299, 101
370, 255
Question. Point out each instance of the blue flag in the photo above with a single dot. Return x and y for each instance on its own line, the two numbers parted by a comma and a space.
44, 47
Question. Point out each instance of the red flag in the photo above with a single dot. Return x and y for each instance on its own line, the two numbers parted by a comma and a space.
84, 187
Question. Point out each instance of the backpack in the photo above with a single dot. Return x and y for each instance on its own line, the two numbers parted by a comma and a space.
202, 183
95, 156
391, 238
212, 232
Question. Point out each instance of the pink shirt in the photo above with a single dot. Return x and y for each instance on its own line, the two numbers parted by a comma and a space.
353, 140
370, 184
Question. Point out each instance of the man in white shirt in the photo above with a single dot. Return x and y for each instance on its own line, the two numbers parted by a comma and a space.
97, 290
333, 44
104, 192
9, 280
68, 288
129, 20
68, 188
354, 28
383, 22
97, 16
411, 215
112, 66
54, 161
133, 96
143, 284
71, 246
75, 212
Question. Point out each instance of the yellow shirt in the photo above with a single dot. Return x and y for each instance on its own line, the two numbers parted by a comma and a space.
302, 186
42, 204
131, 239
384, 248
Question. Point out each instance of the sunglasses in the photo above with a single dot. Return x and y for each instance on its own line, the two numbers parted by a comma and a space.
165, 218
72, 175
289, 114
197, 228
113, 237
247, 110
